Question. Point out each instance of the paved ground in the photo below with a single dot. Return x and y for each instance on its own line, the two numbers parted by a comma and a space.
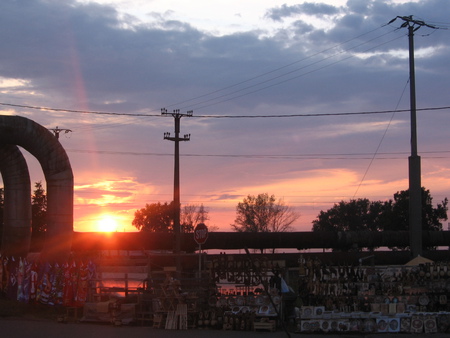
12, 328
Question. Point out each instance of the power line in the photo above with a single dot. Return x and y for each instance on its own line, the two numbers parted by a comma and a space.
280, 76
144, 196
440, 25
381, 141
231, 86
221, 116
283, 74
318, 156
275, 70
63, 110
322, 114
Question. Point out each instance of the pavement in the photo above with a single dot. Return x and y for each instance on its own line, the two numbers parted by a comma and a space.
12, 328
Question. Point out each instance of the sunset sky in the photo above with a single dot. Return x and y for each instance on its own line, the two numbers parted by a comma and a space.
274, 87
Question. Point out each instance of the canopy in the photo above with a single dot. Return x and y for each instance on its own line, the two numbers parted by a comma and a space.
418, 260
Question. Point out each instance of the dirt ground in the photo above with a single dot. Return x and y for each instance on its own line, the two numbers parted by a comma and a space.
49, 329
21, 320
17, 327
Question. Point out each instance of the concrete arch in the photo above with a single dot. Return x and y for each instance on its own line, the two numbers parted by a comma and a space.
17, 209
44, 146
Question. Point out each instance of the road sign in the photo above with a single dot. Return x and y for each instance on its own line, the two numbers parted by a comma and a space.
200, 233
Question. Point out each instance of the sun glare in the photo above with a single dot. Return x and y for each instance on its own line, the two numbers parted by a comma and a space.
107, 224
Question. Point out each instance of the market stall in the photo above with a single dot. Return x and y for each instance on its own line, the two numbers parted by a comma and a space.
408, 298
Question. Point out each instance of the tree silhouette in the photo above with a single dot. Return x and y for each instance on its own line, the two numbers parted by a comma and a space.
391, 215
38, 216
263, 213
157, 217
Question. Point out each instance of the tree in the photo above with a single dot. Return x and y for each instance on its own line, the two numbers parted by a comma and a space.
356, 215
155, 217
431, 216
191, 215
392, 215
38, 216
263, 214
39, 209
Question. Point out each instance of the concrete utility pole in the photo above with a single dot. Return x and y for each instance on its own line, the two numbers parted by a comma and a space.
57, 131
176, 182
415, 185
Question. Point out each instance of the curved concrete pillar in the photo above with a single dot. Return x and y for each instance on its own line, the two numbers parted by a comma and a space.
44, 146
17, 208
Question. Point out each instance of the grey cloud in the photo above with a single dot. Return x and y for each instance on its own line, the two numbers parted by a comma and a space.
63, 48
154, 64
308, 8
227, 197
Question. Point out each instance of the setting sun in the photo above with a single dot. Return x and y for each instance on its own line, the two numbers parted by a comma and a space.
107, 224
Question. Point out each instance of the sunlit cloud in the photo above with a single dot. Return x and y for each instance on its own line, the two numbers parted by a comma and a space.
13, 83
105, 192
114, 197
403, 53
347, 129
319, 181
17, 87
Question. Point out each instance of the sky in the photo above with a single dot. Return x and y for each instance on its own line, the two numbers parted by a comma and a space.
277, 91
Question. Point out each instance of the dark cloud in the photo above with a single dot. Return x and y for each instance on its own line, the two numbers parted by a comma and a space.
227, 197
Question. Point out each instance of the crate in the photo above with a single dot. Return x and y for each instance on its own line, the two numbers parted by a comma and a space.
269, 325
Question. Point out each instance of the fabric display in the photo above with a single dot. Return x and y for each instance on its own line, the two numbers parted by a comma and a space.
41, 282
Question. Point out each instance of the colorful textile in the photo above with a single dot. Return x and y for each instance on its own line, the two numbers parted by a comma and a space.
30, 282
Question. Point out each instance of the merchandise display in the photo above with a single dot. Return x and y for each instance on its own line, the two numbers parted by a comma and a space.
409, 298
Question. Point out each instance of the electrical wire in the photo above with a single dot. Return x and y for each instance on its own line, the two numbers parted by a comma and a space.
213, 100
381, 140
228, 87
324, 156
75, 111
284, 67
224, 116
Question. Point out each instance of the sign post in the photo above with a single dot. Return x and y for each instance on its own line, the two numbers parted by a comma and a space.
200, 237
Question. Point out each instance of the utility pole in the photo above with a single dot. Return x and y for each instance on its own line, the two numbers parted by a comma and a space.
415, 185
176, 181
56, 131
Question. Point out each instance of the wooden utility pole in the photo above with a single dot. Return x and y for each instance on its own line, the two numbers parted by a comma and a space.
176, 182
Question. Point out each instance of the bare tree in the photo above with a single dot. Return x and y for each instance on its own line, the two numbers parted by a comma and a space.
191, 215
263, 213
